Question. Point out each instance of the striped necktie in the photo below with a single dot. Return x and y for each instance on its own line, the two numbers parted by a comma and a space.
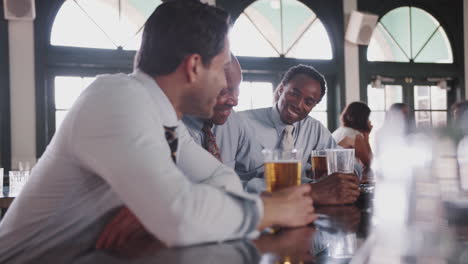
210, 141
171, 137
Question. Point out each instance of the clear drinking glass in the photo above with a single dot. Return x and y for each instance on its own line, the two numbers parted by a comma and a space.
17, 181
340, 160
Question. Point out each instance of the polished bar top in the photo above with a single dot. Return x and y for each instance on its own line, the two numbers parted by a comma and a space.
337, 236
333, 238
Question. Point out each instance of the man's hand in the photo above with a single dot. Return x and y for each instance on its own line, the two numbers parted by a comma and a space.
123, 228
338, 188
291, 207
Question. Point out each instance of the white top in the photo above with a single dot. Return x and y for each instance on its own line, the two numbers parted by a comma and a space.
343, 132
111, 150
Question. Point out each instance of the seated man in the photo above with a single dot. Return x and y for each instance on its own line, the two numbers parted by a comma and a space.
287, 124
225, 135
122, 143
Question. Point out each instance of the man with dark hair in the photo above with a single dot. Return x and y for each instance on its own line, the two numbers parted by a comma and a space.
287, 125
225, 135
122, 144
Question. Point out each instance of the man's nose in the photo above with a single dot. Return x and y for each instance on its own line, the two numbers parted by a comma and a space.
233, 100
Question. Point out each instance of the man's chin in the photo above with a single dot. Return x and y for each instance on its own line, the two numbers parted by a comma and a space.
219, 119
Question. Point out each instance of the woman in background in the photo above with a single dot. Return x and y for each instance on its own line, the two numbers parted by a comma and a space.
354, 131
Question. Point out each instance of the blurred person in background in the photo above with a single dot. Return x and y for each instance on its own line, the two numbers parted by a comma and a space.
459, 112
354, 131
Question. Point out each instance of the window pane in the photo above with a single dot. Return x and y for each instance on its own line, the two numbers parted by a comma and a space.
383, 48
320, 116
381, 99
67, 90
438, 98
422, 27
134, 43
437, 50
266, 17
397, 23
257, 46
59, 116
322, 106
314, 44
439, 119
72, 27
393, 94
423, 119
422, 97
375, 98
100, 23
280, 27
87, 81
297, 19
396, 39
254, 95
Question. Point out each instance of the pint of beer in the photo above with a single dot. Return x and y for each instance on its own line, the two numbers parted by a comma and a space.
282, 168
319, 163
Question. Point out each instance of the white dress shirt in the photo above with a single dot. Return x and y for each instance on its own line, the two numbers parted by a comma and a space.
238, 146
111, 150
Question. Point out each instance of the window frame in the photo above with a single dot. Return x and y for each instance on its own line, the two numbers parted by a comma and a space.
449, 15
54, 61
5, 125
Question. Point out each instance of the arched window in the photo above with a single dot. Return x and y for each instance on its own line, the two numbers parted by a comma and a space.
409, 34
408, 52
77, 40
278, 29
104, 24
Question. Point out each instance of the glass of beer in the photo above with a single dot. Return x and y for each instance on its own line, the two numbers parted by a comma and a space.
282, 168
318, 159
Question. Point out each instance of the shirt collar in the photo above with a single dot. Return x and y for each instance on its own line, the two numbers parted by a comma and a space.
166, 109
277, 122
194, 122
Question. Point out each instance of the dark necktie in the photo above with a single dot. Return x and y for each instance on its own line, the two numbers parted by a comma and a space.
171, 137
210, 141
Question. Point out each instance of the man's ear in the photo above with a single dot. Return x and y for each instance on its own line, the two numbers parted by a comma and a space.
192, 67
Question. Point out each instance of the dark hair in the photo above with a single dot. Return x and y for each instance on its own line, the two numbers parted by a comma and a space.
309, 71
356, 115
462, 108
398, 107
179, 28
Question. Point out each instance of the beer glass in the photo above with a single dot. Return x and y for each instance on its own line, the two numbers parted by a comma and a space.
340, 160
318, 159
282, 168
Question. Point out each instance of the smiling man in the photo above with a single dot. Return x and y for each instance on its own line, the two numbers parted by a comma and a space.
122, 144
225, 135
301, 89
